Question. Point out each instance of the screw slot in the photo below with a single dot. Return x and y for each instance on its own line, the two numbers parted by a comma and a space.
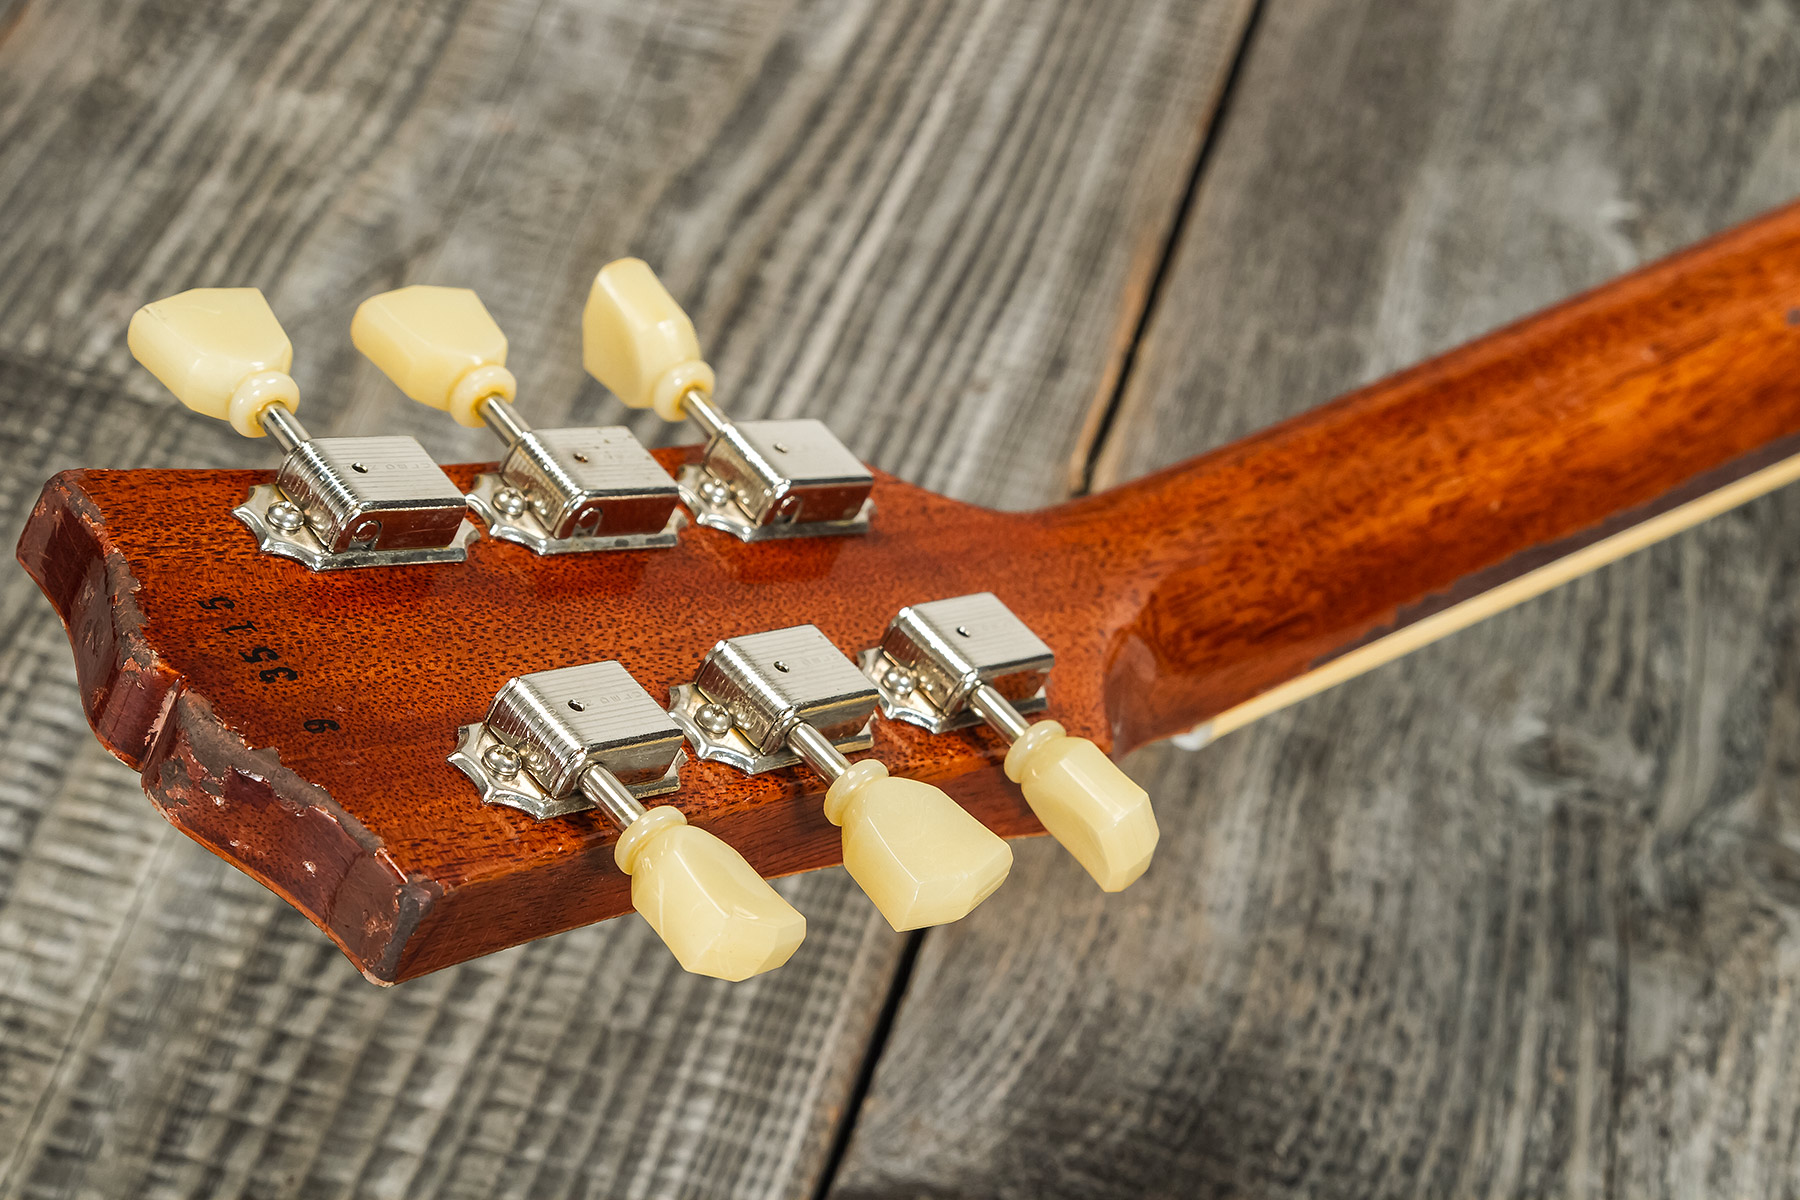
578, 706
359, 468
781, 666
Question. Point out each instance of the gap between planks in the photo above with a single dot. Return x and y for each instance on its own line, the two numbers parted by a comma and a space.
1096, 429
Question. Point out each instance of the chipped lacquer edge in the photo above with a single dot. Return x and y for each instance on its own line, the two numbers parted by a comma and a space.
195, 769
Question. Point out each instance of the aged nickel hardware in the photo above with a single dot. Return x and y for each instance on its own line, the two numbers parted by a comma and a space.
557, 491
950, 663
755, 479
335, 502
578, 738
968, 660
589, 737
771, 699
775, 699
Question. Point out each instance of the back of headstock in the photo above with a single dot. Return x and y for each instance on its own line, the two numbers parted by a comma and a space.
301, 722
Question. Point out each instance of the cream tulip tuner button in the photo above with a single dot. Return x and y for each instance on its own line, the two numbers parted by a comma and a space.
221, 351
439, 345
969, 659
918, 854
589, 737
770, 700
558, 491
636, 340
755, 479
335, 502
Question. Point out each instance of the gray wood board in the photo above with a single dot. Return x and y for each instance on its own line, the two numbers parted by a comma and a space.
1518, 915
931, 224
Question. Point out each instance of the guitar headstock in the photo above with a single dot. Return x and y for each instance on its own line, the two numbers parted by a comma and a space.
344, 735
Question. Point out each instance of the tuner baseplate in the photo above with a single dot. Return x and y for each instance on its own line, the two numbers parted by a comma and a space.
722, 513
525, 529
734, 749
523, 793
915, 708
303, 545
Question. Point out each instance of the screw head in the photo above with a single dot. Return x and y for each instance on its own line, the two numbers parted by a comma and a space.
714, 492
713, 719
510, 501
900, 681
286, 516
503, 762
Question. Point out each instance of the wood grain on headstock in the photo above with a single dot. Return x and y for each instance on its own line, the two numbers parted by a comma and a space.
297, 724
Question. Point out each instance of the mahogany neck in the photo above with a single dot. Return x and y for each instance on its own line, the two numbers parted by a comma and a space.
1260, 572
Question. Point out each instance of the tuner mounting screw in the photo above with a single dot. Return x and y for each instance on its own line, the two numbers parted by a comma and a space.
714, 492
713, 719
285, 516
501, 761
510, 501
900, 681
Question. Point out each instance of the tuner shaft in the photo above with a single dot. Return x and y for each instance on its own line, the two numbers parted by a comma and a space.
1000, 715
708, 416
281, 424
502, 418
818, 752
610, 796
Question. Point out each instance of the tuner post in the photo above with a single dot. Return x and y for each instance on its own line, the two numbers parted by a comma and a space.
557, 491
335, 502
755, 479
587, 738
968, 660
774, 699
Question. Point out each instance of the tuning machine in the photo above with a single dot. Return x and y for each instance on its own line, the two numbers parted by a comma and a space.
336, 502
773, 699
557, 491
589, 737
755, 479
970, 659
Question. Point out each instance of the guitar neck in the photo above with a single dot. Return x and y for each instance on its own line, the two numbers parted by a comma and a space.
1286, 563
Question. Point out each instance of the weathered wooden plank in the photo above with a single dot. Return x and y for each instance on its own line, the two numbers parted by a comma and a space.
1512, 917
931, 224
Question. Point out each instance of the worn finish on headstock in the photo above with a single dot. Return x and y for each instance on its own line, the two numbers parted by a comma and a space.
297, 724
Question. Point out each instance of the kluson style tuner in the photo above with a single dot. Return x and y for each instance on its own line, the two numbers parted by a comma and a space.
969, 660
773, 699
336, 502
755, 479
588, 737
558, 490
